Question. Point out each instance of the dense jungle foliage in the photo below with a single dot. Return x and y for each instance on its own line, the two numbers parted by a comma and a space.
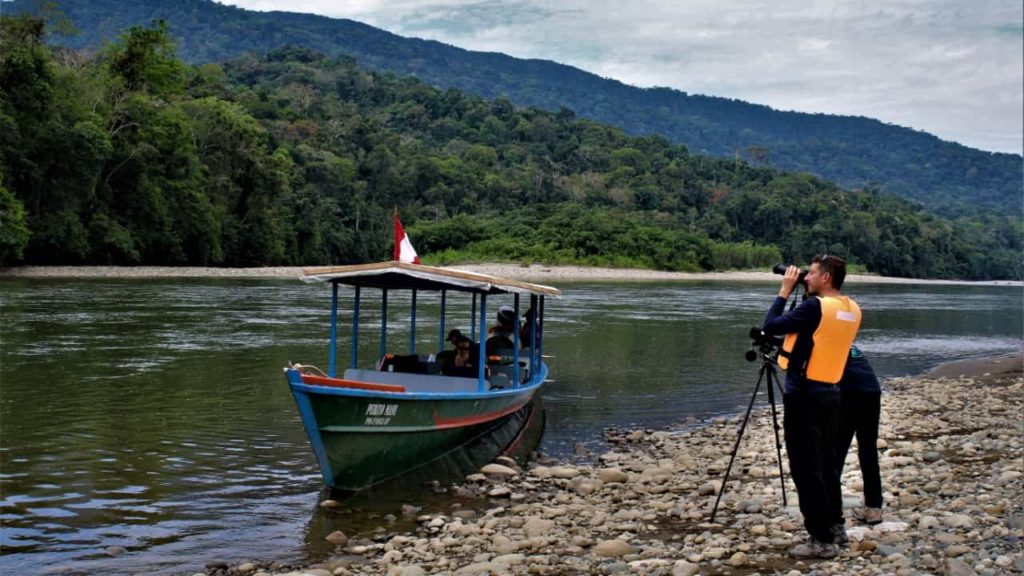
945, 177
133, 157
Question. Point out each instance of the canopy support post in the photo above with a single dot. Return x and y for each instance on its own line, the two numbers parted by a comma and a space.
515, 344
355, 330
540, 337
481, 386
412, 328
334, 329
444, 303
532, 326
384, 322
472, 320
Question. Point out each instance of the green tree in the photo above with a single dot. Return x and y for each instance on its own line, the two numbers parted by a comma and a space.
13, 231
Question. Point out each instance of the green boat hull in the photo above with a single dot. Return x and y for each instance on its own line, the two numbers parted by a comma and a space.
363, 438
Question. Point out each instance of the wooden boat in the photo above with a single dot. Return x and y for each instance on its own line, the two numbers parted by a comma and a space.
374, 424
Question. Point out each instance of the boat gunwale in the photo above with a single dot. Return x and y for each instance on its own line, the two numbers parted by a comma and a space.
323, 390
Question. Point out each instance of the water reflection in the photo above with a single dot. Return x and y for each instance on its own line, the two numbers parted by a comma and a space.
152, 414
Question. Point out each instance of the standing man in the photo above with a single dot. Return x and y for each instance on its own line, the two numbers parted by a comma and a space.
861, 410
819, 333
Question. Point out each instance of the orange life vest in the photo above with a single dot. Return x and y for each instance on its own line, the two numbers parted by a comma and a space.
840, 320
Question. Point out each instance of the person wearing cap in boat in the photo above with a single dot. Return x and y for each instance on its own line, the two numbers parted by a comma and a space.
445, 356
502, 334
463, 364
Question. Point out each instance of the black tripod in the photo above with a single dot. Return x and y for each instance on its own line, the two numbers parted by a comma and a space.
769, 350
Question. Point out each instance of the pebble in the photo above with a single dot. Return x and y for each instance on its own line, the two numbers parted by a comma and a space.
498, 470
337, 537
613, 476
738, 559
612, 548
565, 472
684, 568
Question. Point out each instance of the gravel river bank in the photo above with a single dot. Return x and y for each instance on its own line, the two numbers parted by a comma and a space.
952, 459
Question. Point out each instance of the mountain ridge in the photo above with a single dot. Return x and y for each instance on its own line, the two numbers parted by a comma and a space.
855, 151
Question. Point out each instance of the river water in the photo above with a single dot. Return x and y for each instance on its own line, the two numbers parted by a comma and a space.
153, 415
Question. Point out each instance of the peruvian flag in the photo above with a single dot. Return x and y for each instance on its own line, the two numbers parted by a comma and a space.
404, 252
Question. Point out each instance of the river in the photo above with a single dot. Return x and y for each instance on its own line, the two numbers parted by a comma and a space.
153, 415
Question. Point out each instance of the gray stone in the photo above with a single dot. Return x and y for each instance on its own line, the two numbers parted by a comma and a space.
738, 559
615, 568
406, 571
535, 526
684, 568
505, 460
498, 471
709, 488
927, 522
613, 548
464, 513
565, 472
715, 552
957, 567
958, 521
612, 476
890, 549
478, 569
587, 486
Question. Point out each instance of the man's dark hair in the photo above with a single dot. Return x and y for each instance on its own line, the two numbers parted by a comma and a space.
835, 266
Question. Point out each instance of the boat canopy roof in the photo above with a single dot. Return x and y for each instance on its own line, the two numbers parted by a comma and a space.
403, 276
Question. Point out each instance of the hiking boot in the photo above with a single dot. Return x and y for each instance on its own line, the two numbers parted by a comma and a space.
814, 549
839, 537
867, 515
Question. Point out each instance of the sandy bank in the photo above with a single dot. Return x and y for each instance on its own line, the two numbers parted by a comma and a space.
532, 273
978, 367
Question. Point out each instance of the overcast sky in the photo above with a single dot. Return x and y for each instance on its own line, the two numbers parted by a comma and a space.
954, 68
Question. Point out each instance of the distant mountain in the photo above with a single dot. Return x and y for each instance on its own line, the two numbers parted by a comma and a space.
856, 152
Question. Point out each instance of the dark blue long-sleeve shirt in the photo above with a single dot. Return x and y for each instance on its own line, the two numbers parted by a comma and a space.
803, 320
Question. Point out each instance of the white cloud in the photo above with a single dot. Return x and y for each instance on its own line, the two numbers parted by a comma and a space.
943, 66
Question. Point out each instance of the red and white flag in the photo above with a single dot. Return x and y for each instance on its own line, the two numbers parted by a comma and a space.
404, 252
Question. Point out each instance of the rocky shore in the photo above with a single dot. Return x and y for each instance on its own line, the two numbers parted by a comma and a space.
531, 273
952, 458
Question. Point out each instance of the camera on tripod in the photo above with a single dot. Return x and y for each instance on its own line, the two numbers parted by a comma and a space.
769, 346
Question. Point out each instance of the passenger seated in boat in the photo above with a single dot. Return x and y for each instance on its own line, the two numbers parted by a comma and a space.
462, 364
446, 356
501, 335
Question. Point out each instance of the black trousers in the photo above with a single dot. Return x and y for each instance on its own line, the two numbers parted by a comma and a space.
859, 416
811, 424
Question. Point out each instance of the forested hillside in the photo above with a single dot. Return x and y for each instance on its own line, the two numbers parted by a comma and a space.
856, 152
133, 157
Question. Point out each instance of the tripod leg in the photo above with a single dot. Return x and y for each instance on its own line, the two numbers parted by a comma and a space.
775, 428
739, 437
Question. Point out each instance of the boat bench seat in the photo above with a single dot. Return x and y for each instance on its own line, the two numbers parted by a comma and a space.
414, 382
